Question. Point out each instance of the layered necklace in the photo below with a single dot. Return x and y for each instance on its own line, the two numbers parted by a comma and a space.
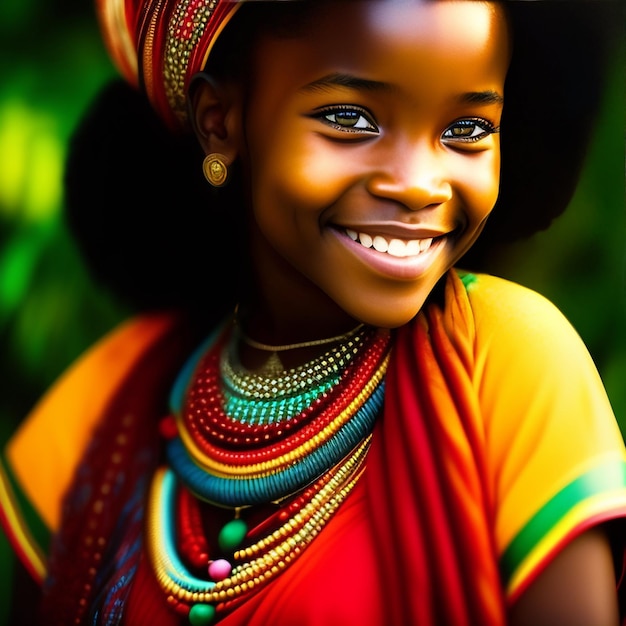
296, 439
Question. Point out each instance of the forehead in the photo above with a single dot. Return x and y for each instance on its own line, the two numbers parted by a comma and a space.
390, 40
427, 21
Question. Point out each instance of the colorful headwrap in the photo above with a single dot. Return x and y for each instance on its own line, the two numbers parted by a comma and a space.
158, 45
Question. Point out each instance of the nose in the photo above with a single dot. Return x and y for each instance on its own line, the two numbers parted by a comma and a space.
415, 176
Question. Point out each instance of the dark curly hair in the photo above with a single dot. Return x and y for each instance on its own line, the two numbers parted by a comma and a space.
154, 233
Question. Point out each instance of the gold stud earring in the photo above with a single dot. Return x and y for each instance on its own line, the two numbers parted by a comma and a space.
215, 169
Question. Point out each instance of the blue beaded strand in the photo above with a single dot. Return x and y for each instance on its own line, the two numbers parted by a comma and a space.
241, 491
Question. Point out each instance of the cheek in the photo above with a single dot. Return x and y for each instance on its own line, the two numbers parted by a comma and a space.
479, 185
303, 175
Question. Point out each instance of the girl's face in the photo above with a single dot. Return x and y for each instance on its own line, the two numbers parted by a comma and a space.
372, 147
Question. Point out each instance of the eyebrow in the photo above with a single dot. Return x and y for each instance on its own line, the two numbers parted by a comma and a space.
350, 81
345, 80
481, 97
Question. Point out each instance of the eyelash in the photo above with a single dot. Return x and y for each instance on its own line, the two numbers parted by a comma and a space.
359, 113
487, 129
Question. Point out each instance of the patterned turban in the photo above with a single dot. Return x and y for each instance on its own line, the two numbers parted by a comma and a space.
158, 45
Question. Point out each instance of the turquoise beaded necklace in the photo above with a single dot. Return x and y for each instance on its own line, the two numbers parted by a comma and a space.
238, 492
304, 421
234, 484
259, 399
200, 598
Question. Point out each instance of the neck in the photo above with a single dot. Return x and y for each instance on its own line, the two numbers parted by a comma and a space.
278, 357
281, 306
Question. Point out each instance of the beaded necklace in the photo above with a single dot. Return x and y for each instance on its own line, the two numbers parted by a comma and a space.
274, 365
298, 438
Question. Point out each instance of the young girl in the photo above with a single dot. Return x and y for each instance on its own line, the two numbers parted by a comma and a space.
317, 418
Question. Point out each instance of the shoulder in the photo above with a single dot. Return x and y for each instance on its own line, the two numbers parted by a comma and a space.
537, 385
518, 324
524, 342
554, 447
501, 305
76, 400
501, 327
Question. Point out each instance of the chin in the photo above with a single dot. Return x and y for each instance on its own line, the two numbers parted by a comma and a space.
391, 323
388, 313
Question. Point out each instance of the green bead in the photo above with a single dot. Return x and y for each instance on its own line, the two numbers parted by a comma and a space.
232, 535
201, 614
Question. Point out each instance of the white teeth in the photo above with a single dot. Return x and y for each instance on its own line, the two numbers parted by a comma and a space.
394, 247
381, 244
366, 240
425, 244
412, 247
397, 247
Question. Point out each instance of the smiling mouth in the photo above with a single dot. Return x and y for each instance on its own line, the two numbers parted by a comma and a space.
394, 247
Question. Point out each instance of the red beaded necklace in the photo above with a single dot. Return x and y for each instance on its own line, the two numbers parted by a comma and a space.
247, 555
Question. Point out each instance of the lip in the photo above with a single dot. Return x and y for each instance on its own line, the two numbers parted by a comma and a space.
397, 230
399, 268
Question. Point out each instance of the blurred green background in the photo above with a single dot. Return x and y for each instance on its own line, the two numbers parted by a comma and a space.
51, 64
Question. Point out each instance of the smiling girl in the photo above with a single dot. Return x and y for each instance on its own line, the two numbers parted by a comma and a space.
321, 419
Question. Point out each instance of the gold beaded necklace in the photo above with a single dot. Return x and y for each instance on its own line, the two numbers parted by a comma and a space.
307, 463
236, 460
274, 366
255, 564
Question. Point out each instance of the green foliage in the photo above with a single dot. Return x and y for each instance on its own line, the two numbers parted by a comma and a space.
50, 310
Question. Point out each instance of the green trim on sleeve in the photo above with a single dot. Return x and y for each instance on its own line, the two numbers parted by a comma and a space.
607, 479
468, 279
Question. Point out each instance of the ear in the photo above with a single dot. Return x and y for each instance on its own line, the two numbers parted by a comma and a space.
215, 114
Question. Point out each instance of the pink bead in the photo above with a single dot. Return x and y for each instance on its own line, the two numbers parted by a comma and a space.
220, 569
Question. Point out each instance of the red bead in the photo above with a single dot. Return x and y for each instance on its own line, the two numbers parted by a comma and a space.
167, 427
231, 442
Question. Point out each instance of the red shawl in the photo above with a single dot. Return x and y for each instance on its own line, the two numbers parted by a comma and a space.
425, 487
430, 444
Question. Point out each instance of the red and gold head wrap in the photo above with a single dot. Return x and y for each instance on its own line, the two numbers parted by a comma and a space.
158, 45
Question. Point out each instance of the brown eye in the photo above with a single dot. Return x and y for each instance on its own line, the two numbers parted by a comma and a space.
347, 118
351, 119
463, 131
469, 130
